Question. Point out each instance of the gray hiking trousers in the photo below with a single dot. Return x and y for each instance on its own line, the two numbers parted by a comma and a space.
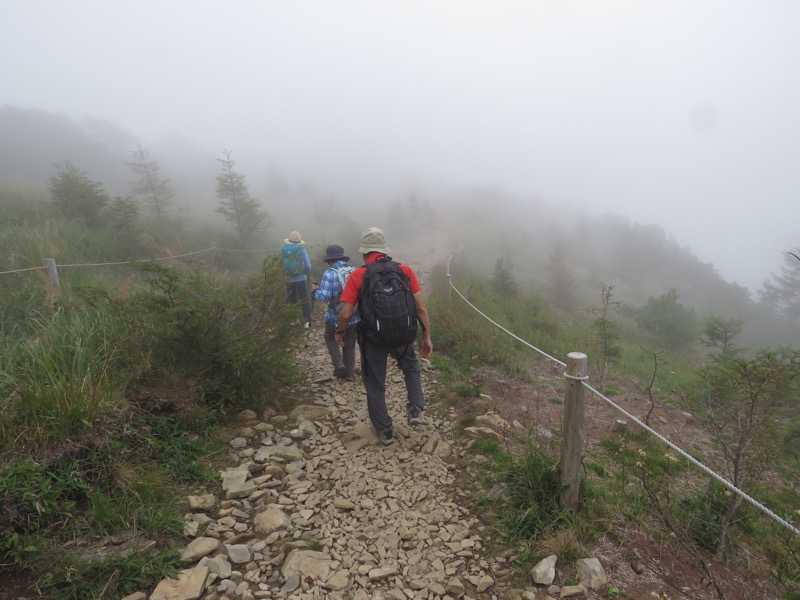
346, 355
373, 374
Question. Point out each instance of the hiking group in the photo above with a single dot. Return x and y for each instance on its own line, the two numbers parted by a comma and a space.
378, 305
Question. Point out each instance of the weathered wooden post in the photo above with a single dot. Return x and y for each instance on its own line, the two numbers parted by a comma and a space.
52, 274
449, 279
572, 430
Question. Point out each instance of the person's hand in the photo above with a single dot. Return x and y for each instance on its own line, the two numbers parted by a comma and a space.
425, 347
314, 287
339, 339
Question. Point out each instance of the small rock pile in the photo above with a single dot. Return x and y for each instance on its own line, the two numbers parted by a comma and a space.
314, 507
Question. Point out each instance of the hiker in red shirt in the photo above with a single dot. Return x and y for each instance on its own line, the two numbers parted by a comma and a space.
390, 304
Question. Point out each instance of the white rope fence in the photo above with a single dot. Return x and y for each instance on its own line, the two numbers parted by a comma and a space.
658, 436
145, 260
22, 270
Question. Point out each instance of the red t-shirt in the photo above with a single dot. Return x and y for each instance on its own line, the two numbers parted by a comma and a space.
352, 288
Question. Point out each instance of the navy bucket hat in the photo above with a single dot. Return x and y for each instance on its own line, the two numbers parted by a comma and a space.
335, 252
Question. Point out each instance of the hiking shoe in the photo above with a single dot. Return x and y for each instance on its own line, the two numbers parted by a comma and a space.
340, 372
385, 436
349, 377
307, 325
414, 414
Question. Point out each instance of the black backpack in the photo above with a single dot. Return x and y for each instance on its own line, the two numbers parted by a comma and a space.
386, 305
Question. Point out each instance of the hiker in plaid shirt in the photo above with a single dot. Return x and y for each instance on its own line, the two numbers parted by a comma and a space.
329, 290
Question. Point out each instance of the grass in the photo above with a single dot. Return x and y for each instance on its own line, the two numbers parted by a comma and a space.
111, 577
108, 399
471, 339
59, 382
523, 499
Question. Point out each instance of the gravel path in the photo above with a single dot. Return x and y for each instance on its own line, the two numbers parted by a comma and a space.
313, 506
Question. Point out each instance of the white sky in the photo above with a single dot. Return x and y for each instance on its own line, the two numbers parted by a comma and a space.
684, 113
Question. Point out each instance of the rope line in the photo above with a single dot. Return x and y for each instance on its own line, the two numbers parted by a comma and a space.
144, 260
496, 324
647, 428
107, 264
576, 377
267, 251
22, 270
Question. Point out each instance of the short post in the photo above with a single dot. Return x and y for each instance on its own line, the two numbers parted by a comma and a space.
449, 280
52, 274
572, 430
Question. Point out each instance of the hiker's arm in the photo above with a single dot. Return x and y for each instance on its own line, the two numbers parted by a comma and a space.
344, 322
324, 291
425, 343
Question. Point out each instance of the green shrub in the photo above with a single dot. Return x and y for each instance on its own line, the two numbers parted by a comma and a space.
702, 513
230, 335
468, 390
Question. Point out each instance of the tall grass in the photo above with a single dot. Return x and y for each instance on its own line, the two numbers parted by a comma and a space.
58, 382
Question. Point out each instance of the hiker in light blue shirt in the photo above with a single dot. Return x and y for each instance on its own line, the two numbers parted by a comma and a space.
329, 289
297, 266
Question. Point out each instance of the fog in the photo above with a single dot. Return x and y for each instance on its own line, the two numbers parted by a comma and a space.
681, 113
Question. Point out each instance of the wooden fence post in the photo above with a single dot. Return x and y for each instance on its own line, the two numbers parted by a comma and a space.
52, 274
449, 280
572, 430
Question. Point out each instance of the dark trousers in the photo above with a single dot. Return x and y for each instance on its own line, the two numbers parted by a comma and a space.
346, 355
298, 292
373, 374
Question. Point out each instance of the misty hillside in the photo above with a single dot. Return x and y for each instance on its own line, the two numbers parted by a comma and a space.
641, 261
482, 225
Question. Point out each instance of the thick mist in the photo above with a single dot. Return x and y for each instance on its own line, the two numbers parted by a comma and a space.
674, 114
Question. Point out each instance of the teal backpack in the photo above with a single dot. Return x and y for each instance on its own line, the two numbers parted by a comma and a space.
292, 255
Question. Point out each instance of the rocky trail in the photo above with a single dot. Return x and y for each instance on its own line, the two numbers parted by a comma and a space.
312, 506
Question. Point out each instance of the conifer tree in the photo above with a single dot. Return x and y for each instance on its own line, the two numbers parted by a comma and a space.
76, 196
562, 281
782, 291
124, 212
503, 278
151, 185
236, 204
606, 330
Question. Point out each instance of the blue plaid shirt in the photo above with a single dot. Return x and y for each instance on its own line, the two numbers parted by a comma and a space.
330, 288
